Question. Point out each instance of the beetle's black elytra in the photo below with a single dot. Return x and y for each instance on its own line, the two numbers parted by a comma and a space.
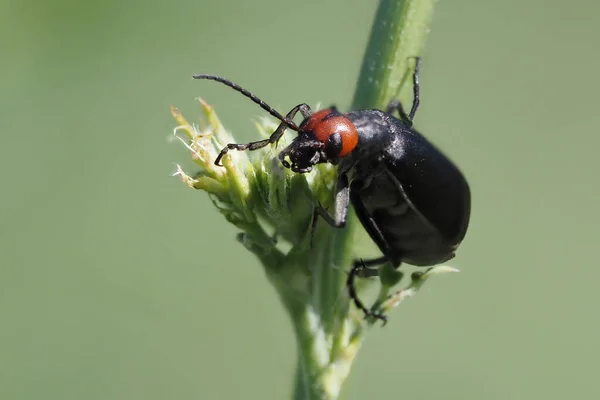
411, 199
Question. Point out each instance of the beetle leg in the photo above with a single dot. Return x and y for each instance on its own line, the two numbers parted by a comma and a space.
396, 105
354, 296
342, 200
370, 272
375, 233
416, 99
287, 122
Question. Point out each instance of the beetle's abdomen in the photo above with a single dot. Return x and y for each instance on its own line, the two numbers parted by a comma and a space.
408, 236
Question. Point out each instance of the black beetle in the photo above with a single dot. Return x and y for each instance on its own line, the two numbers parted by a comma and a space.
412, 200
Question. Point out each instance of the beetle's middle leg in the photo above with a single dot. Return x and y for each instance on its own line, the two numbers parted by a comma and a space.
338, 220
341, 203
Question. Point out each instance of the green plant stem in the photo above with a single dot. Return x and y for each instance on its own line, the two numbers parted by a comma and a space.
398, 33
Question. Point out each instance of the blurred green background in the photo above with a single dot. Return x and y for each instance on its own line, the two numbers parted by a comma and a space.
118, 282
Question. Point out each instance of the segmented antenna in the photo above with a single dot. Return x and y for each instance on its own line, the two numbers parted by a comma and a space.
251, 96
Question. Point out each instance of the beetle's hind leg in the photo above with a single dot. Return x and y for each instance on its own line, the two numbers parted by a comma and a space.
357, 270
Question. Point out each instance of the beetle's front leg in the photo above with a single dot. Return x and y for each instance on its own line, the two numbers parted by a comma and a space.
341, 203
287, 122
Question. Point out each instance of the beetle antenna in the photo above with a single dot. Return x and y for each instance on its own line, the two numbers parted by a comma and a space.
251, 96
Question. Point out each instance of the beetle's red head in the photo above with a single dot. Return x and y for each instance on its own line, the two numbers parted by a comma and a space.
325, 136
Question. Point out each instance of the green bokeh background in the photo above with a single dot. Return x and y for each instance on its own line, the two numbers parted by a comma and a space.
118, 282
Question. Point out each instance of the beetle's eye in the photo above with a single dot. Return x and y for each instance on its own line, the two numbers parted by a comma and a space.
338, 134
334, 146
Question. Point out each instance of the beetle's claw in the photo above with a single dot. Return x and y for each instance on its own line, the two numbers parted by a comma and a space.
376, 315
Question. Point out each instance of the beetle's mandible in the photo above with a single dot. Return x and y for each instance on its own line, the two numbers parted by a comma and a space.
411, 199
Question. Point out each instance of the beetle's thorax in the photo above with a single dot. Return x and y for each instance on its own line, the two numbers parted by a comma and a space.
373, 137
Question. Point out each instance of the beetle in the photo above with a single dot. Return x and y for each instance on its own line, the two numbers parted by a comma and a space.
411, 199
